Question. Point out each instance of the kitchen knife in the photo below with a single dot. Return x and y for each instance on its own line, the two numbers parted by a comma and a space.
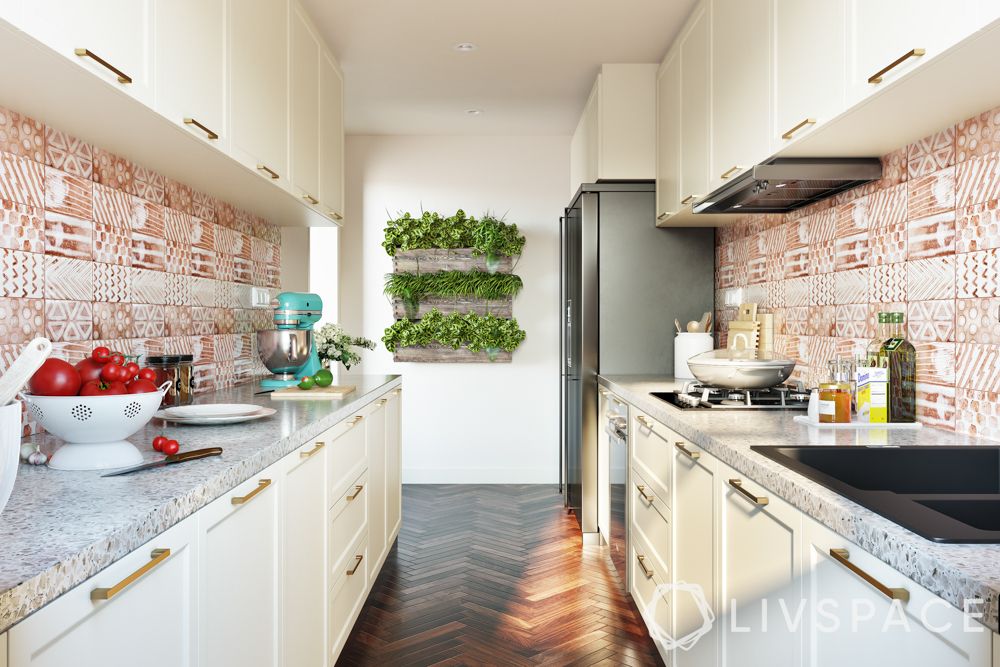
180, 457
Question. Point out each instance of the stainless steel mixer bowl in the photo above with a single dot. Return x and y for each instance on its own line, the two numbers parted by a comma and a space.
284, 351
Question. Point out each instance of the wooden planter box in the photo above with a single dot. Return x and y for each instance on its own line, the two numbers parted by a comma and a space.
503, 308
435, 260
438, 354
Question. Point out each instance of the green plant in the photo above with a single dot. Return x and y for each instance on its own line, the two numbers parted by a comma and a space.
413, 287
494, 237
333, 345
489, 236
476, 332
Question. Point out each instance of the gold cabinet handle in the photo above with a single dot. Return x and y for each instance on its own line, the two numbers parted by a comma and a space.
192, 121
156, 557
336, 216
687, 200
267, 170
646, 570
645, 422
309, 198
87, 53
912, 53
383, 401
694, 456
642, 492
319, 446
843, 557
663, 215
356, 420
357, 564
243, 500
729, 172
756, 500
358, 488
791, 132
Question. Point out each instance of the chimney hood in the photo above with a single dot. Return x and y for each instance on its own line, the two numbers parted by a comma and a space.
785, 184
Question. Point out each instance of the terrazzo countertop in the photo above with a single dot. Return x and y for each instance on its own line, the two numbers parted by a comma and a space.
955, 572
61, 527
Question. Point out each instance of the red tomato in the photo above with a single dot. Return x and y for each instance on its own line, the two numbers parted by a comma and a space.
141, 386
147, 374
101, 355
171, 447
100, 388
159, 441
116, 388
117, 358
89, 369
131, 369
55, 377
112, 373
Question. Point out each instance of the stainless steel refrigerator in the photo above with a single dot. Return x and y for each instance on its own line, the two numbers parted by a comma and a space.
623, 281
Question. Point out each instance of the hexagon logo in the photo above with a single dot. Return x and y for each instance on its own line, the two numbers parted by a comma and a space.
662, 635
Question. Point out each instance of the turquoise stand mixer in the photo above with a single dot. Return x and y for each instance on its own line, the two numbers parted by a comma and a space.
289, 350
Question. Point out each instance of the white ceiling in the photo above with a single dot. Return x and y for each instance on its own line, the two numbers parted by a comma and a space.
535, 62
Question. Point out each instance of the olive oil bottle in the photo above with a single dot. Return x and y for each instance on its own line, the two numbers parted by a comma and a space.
902, 358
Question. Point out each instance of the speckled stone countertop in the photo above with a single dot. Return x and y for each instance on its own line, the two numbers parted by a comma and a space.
60, 528
955, 572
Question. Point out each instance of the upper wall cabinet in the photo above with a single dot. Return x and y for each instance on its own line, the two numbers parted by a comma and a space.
810, 43
189, 39
695, 106
258, 86
331, 138
741, 86
668, 132
306, 48
109, 37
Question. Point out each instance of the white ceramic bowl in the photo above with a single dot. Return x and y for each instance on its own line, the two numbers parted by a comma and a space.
95, 428
10, 449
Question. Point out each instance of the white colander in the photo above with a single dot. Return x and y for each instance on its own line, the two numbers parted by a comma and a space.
95, 428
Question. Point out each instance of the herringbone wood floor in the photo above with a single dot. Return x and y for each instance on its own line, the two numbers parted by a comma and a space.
495, 575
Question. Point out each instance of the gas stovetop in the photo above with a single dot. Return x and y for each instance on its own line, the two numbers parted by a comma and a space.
696, 396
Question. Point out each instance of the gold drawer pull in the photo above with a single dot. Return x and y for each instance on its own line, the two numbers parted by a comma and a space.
756, 500
688, 199
912, 53
87, 53
843, 557
357, 564
646, 570
192, 121
358, 488
694, 456
383, 402
267, 170
791, 132
398, 392
309, 198
243, 500
336, 216
156, 557
319, 446
356, 420
732, 170
663, 215
645, 422
642, 492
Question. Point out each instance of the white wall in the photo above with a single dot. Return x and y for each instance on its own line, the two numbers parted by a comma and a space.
464, 423
295, 259
324, 250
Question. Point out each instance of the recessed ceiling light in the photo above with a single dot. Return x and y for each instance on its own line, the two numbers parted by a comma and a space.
464, 47
474, 112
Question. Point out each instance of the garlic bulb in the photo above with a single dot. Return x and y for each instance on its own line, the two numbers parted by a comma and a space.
27, 449
37, 457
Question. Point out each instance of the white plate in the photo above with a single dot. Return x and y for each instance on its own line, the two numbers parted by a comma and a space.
211, 410
235, 419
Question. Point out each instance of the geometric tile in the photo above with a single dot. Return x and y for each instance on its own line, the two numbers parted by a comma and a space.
930, 194
851, 286
177, 321
178, 196
112, 244
21, 320
177, 257
149, 286
202, 321
225, 294
178, 289
148, 219
113, 283
69, 279
272, 273
225, 214
978, 366
148, 252
936, 405
887, 207
68, 153
888, 244
852, 321
203, 206
821, 257
23, 274
978, 136
977, 180
887, 283
931, 153
21, 227
852, 251
224, 267
935, 362
178, 226
266, 253
22, 180
931, 236
113, 170
978, 274
68, 236
112, 320
795, 321
69, 320
978, 227
822, 321
851, 218
202, 291
202, 263
148, 185
978, 413
147, 320
65, 193
21, 135
112, 207
931, 321
931, 279
978, 321
821, 291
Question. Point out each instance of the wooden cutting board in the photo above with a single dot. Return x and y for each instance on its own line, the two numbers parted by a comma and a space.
315, 394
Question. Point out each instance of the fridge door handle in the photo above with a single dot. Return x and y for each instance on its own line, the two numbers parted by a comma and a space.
569, 333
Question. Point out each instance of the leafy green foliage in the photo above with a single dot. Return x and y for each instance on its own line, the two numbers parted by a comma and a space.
476, 332
489, 236
334, 345
412, 287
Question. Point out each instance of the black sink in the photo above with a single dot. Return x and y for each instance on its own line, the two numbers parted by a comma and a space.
946, 494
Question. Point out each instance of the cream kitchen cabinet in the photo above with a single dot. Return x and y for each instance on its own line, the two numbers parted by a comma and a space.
141, 609
376, 496
668, 136
306, 48
303, 555
331, 138
3, 650
111, 38
348, 594
240, 574
810, 56
741, 86
189, 46
652, 452
695, 106
863, 613
258, 86
394, 464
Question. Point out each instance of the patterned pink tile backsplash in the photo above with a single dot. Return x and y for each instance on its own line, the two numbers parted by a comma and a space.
97, 250
924, 240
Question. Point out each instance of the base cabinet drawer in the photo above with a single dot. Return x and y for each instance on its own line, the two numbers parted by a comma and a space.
348, 521
650, 519
347, 454
144, 606
652, 452
653, 602
347, 596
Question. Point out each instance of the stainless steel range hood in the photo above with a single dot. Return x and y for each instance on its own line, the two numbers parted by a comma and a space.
785, 184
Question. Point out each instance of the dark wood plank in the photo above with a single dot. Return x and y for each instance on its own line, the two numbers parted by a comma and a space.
495, 575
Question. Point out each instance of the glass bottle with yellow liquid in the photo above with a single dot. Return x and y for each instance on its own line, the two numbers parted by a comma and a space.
902, 362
